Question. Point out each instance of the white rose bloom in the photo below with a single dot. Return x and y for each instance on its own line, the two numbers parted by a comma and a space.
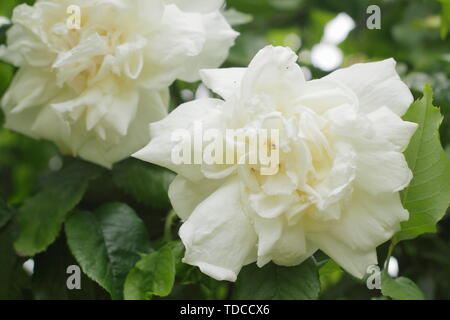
94, 90
340, 173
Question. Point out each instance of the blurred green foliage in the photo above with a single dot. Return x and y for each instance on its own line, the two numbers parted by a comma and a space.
414, 32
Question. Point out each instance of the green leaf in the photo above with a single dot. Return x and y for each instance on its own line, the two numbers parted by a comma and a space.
6, 74
41, 217
273, 282
330, 273
50, 276
8, 260
400, 288
286, 4
185, 273
147, 183
286, 37
188, 275
212, 289
428, 195
154, 274
107, 244
14, 281
7, 6
5, 213
445, 18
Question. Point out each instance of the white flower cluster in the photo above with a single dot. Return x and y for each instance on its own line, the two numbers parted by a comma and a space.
95, 90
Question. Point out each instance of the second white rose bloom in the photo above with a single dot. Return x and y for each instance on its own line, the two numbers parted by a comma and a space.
94, 90
340, 172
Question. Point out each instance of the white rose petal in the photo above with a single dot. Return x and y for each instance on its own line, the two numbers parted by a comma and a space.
340, 173
220, 239
376, 84
94, 90
198, 5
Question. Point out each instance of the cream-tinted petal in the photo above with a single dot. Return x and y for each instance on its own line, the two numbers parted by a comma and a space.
186, 195
354, 262
182, 120
376, 84
219, 239
225, 82
380, 171
391, 128
273, 71
219, 38
369, 220
198, 5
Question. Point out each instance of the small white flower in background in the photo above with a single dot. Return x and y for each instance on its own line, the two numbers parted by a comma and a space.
94, 90
4, 21
341, 166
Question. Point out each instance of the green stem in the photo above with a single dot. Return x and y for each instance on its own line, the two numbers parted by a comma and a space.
390, 250
168, 226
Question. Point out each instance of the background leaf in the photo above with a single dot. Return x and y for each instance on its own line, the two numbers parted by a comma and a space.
5, 213
6, 73
41, 217
147, 183
107, 243
8, 258
400, 288
273, 282
329, 273
154, 274
49, 279
445, 18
